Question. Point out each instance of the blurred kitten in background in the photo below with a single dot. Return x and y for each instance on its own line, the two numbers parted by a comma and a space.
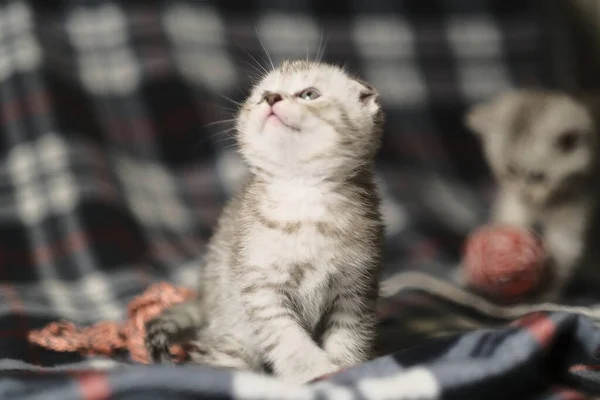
542, 148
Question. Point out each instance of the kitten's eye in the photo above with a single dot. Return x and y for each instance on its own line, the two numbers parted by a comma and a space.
567, 141
536, 177
309, 94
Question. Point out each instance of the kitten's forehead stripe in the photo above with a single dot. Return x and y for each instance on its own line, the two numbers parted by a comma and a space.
530, 109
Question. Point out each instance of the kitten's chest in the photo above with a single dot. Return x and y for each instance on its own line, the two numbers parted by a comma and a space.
302, 263
283, 228
282, 248
288, 202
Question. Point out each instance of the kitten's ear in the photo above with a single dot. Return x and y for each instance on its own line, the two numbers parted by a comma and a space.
481, 117
591, 101
367, 94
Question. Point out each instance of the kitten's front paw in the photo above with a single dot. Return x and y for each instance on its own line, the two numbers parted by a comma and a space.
159, 333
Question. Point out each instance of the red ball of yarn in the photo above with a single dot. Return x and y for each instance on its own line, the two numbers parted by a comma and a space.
505, 262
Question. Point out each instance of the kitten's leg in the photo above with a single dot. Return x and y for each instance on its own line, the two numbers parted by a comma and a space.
170, 327
509, 209
290, 350
350, 327
564, 253
224, 351
564, 237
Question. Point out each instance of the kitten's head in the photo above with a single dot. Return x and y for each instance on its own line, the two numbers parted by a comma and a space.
309, 119
539, 143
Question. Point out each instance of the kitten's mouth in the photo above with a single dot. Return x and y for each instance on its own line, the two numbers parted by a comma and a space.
272, 116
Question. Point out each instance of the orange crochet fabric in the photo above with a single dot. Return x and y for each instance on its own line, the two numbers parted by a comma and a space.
106, 337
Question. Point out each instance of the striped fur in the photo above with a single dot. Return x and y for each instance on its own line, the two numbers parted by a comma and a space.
291, 275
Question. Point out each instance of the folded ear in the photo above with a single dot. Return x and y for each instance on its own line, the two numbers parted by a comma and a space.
365, 89
482, 117
591, 101
368, 95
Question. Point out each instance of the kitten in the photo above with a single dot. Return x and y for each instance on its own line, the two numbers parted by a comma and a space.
542, 147
291, 275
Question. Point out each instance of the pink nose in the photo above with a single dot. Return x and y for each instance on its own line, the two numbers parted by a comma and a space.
272, 98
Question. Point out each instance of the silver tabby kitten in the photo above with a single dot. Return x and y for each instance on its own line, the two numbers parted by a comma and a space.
291, 275
542, 147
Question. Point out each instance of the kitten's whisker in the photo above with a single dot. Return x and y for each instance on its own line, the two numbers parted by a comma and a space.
319, 46
233, 101
222, 107
223, 121
322, 49
216, 139
264, 48
255, 75
244, 93
220, 136
229, 146
224, 132
254, 79
254, 69
224, 141
262, 68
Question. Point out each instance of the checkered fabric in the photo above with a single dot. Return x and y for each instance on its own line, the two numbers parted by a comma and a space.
113, 172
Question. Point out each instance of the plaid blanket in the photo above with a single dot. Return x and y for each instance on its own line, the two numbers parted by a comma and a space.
113, 173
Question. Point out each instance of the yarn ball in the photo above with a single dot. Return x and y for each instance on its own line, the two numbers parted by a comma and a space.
504, 262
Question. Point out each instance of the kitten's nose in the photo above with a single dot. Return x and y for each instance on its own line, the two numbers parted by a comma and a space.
272, 98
